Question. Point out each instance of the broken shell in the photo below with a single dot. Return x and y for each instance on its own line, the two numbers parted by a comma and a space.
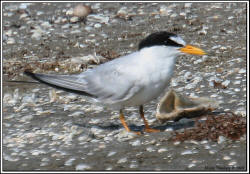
174, 107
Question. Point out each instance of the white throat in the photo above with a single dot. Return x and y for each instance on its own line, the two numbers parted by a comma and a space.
159, 52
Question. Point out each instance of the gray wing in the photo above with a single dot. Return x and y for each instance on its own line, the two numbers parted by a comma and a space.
111, 85
68, 83
107, 82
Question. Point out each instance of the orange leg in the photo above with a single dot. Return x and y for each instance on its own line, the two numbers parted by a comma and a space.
147, 128
125, 124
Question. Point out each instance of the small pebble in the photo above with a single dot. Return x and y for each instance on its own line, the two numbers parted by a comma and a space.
83, 167
133, 166
76, 114
213, 95
122, 160
136, 143
237, 89
74, 19
177, 142
187, 152
109, 168
191, 165
237, 82
212, 152
162, 150
232, 153
111, 154
97, 25
11, 41
150, 149
24, 15
226, 157
69, 162
232, 163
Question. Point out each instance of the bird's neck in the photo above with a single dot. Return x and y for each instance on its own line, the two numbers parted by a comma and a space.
158, 61
159, 53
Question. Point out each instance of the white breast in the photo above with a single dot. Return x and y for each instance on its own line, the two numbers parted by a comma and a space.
154, 71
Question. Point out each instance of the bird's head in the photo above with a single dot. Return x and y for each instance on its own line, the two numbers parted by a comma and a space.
172, 41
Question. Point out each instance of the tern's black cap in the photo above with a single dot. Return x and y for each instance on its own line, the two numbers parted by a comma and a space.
159, 38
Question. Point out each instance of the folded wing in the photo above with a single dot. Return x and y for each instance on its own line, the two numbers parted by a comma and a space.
67, 83
110, 86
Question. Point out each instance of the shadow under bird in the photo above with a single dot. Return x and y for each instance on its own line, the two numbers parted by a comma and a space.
130, 80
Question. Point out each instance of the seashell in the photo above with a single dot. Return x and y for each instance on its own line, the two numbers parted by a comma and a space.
173, 106
82, 10
98, 18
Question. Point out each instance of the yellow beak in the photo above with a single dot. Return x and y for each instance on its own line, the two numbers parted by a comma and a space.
192, 50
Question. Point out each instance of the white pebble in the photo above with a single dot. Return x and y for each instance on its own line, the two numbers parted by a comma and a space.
226, 157
173, 15
133, 166
69, 12
122, 160
212, 152
232, 163
207, 146
188, 5
23, 6
204, 142
122, 11
11, 40
191, 165
97, 25
135, 143
36, 36
237, 82
111, 154
74, 19
177, 142
69, 162
242, 71
46, 24
150, 149
232, 153
214, 95
83, 167
237, 89
24, 15
109, 168
162, 150
76, 114
37, 152
187, 152
88, 28
98, 18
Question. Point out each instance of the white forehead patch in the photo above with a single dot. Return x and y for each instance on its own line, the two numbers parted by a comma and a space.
178, 40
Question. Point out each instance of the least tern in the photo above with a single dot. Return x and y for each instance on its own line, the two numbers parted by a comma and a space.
130, 80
